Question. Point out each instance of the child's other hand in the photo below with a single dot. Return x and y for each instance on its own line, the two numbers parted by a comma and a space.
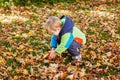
53, 54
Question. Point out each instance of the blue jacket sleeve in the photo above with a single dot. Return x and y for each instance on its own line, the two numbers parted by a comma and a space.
53, 42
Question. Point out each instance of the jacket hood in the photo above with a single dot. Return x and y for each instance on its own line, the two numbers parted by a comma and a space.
67, 26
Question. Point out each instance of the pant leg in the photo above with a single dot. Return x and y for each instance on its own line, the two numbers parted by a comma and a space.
74, 48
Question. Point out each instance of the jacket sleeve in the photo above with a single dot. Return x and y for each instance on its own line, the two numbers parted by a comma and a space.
66, 41
53, 42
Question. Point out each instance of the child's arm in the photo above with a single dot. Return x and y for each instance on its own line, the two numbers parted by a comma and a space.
66, 41
53, 45
53, 42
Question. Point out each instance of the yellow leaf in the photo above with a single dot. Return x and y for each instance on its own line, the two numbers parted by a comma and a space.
88, 56
17, 58
25, 72
98, 64
111, 60
113, 35
30, 50
2, 60
21, 47
84, 51
30, 33
93, 54
94, 30
71, 68
9, 53
103, 41
34, 22
9, 68
43, 30
45, 56
26, 60
15, 77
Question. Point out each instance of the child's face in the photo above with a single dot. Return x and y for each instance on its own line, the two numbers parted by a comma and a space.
55, 31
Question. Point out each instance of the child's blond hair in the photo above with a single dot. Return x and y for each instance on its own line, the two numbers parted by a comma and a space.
52, 23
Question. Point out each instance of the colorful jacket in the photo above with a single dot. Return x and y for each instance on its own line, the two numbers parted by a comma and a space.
66, 36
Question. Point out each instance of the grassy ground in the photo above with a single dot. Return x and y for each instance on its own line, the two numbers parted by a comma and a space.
23, 41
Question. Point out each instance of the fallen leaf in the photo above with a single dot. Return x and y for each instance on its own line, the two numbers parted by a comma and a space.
15, 77
25, 72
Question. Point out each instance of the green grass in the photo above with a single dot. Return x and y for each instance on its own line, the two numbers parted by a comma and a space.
9, 62
118, 31
90, 32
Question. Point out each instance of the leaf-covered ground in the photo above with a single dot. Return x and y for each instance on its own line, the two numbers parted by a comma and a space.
23, 42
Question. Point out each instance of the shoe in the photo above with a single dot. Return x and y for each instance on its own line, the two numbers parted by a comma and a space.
78, 58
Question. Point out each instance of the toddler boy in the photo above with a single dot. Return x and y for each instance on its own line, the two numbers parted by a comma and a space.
65, 36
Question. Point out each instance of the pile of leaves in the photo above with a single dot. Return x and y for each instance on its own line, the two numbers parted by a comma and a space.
24, 43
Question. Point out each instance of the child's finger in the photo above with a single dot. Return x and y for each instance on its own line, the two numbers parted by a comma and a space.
50, 57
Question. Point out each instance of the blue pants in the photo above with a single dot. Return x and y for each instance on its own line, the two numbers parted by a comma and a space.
74, 48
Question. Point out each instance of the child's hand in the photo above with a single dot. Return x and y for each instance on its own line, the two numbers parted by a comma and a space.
53, 54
